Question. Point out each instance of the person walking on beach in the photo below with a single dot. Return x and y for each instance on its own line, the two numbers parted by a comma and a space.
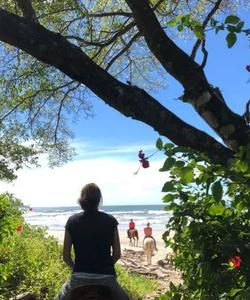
93, 234
148, 233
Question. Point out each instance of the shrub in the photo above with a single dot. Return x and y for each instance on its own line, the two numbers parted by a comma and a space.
210, 224
137, 285
29, 260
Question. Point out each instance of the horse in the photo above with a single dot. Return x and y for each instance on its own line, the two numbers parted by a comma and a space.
91, 292
133, 237
149, 247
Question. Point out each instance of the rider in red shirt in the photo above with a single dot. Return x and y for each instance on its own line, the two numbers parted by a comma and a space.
131, 225
148, 233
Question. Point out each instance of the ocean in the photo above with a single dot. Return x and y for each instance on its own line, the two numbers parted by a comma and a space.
54, 218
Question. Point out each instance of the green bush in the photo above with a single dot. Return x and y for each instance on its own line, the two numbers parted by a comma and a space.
138, 285
210, 224
29, 260
10, 215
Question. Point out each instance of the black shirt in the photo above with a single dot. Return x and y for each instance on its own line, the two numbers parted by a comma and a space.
92, 237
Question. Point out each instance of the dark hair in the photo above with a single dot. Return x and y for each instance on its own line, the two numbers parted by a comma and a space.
90, 197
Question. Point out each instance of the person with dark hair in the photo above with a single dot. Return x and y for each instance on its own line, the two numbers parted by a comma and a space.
93, 234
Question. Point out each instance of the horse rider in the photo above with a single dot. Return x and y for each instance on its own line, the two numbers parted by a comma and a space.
92, 234
131, 226
148, 233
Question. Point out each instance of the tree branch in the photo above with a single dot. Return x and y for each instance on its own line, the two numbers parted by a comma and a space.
55, 50
198, 92
27, 9
127, 46
204, 25
204, 51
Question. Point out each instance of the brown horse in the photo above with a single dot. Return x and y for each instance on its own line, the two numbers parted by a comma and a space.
133, 237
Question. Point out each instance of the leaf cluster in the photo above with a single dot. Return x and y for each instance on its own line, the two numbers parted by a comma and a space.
209, 223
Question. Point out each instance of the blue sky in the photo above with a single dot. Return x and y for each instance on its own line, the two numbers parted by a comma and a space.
107, 145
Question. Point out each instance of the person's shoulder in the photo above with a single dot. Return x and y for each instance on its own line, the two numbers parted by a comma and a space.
75, 217
108, 216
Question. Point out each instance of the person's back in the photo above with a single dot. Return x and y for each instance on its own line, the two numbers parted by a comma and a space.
95, 238
131, 224
148, 231
92, 237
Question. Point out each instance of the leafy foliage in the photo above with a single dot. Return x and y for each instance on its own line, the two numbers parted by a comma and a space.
210, 224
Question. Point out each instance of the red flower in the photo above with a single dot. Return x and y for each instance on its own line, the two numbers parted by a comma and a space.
143, 160
145, 163
141, 155
234, 262
248, 68
19, 229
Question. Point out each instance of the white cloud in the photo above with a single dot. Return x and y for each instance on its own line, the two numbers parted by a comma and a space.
114, 175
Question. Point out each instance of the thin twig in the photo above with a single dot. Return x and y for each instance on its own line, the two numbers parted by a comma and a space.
204, 25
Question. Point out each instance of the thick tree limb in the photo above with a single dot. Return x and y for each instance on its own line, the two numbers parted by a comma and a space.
27, 9
206, 101
51, 48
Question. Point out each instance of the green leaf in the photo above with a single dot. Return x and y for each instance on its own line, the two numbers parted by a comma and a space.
233, 292
159, 144
231, 39
187, 174
216, 210
232, 19
178, 18
168, 198
239, 26
168, 187
217, 190
186, 20
172, 23
180, 27
168, 146
231, 28
168, 164
179, 164
198, 31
